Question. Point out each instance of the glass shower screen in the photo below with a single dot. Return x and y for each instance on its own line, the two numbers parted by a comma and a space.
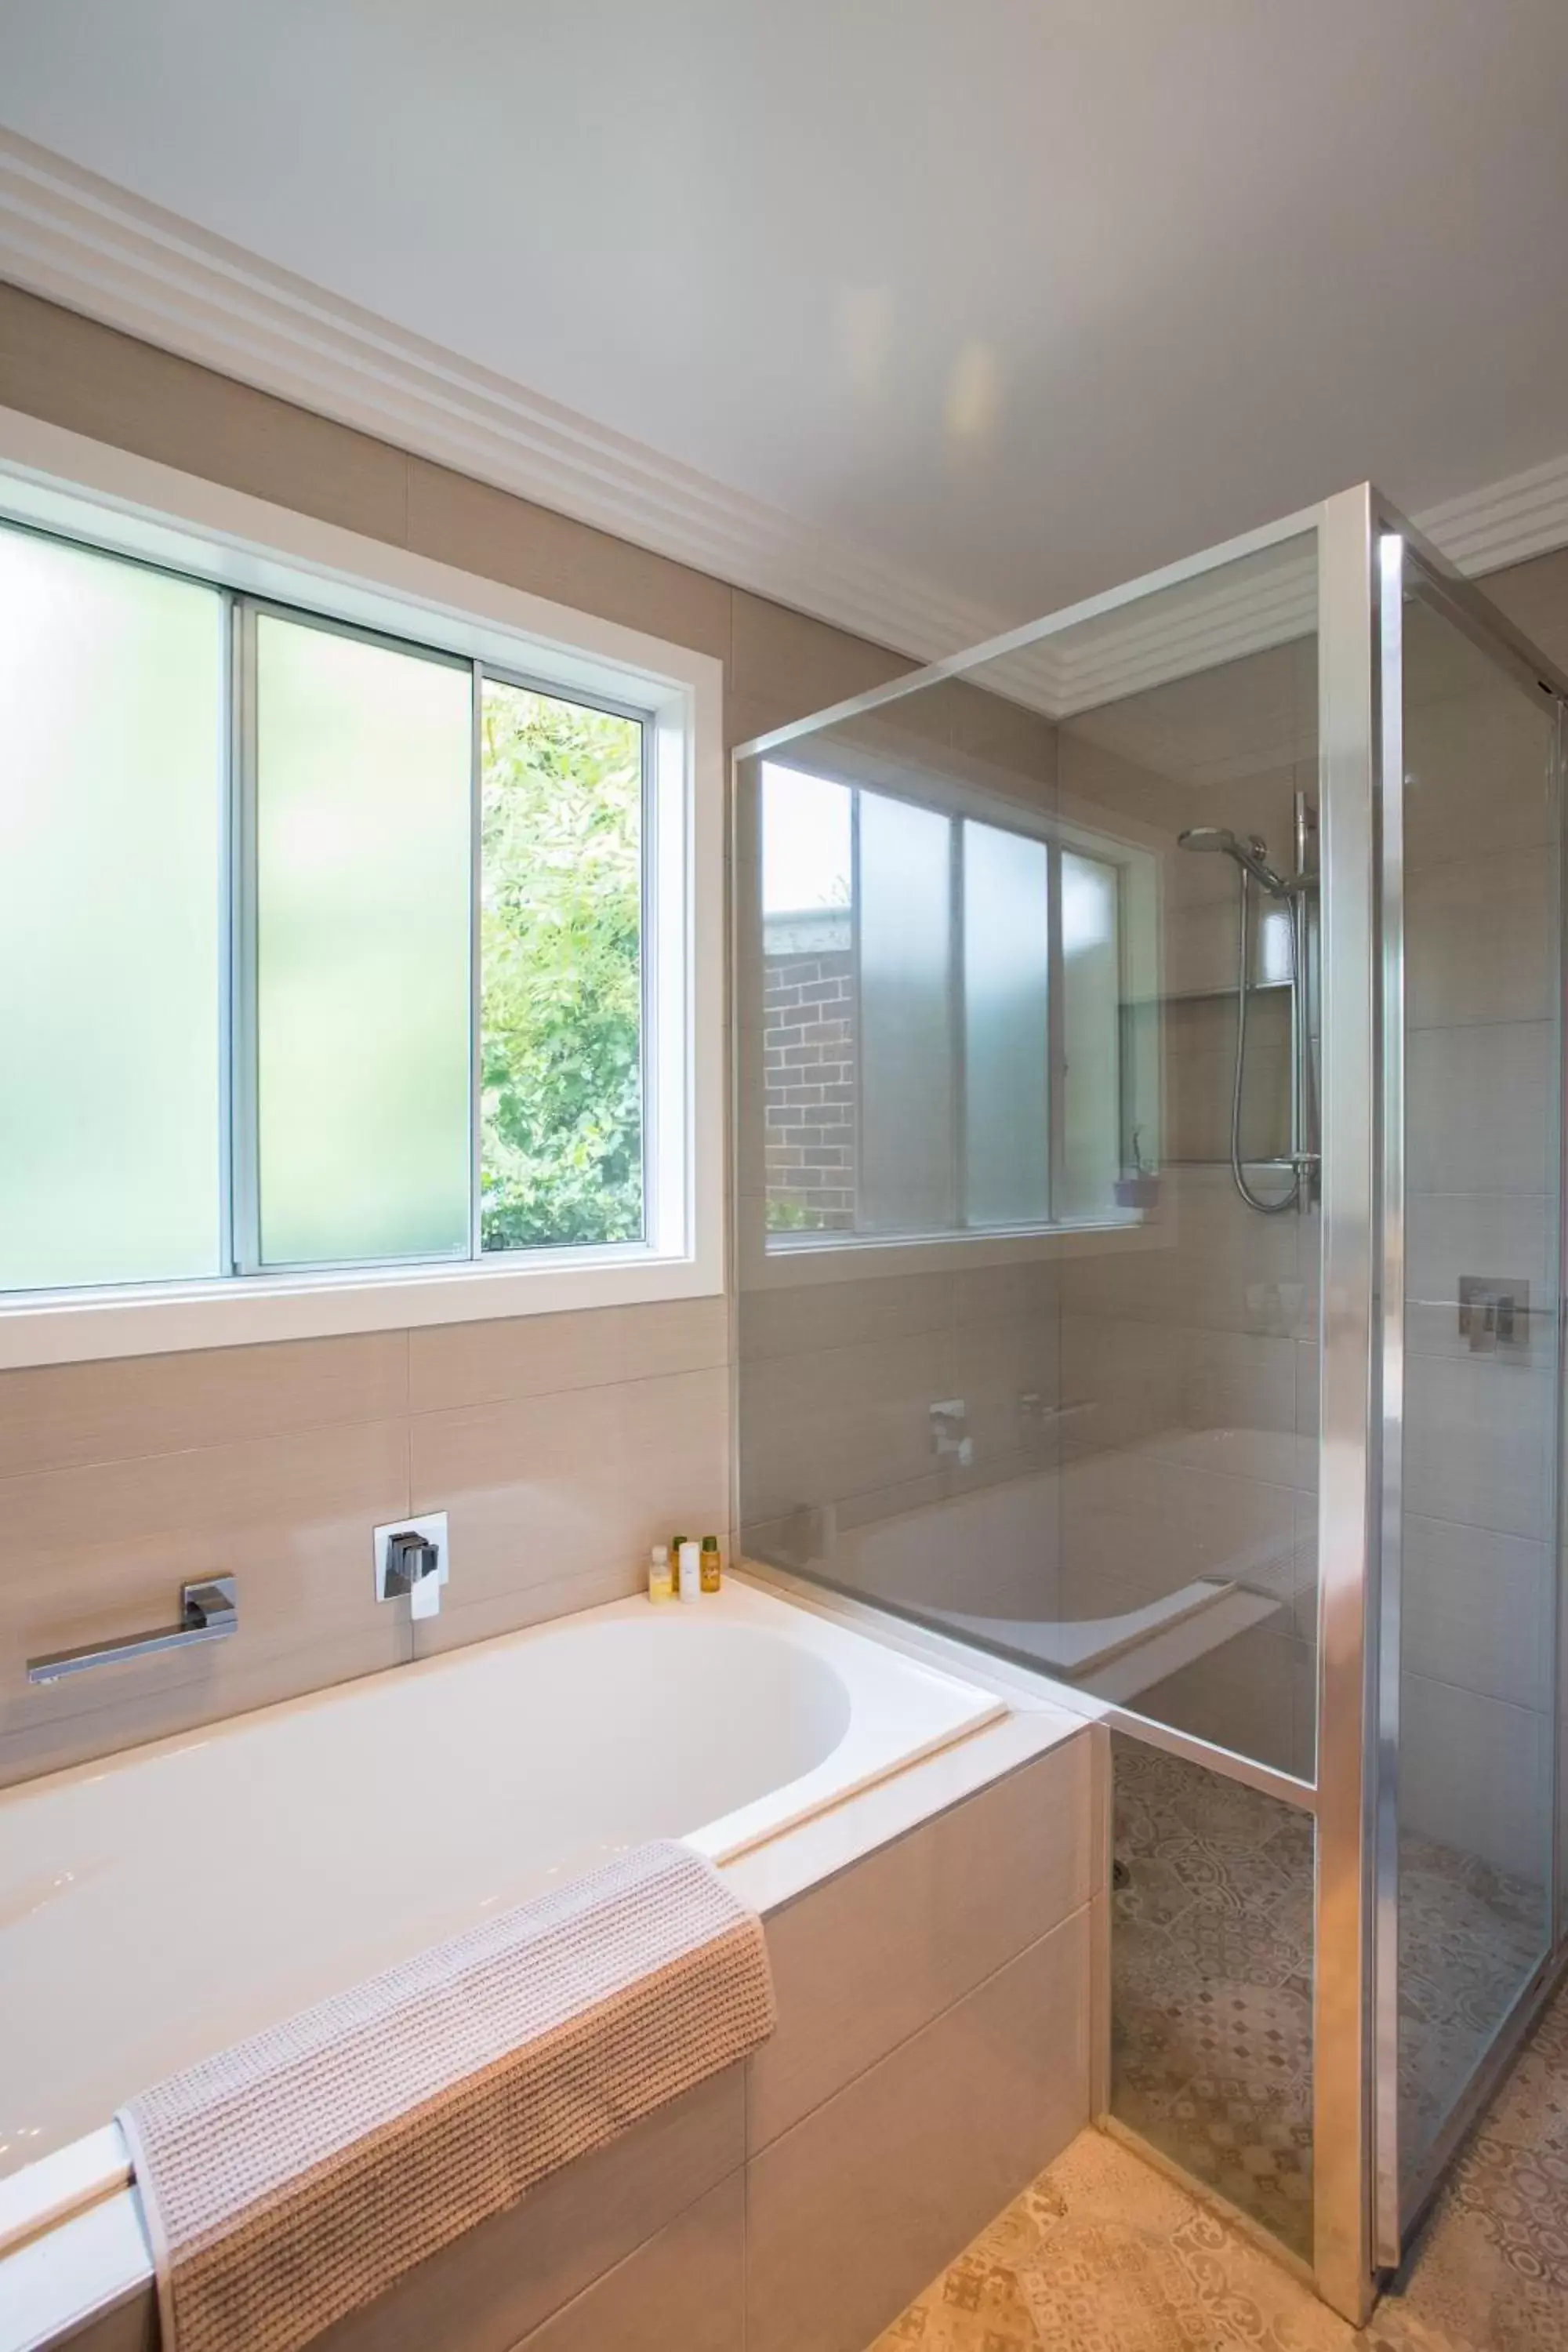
1148, 1204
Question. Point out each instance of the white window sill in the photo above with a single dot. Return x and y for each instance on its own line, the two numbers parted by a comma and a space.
778, 1260
71, 1326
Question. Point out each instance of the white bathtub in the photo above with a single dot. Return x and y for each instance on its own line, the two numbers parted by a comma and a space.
160, 1904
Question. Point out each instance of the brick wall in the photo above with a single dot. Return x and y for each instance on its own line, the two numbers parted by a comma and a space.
809, 1072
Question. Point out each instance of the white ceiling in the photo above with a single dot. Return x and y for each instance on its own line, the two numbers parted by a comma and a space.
1018, 297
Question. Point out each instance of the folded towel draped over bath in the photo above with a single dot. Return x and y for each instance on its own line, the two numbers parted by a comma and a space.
295, 2177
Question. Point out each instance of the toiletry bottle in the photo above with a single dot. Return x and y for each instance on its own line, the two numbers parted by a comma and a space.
675, 1544
660, 1583
712, 1564
690, 1569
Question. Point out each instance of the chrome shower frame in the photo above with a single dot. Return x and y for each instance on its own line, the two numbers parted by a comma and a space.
1366, 554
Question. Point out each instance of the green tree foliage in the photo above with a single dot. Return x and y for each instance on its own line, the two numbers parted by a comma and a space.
561, 990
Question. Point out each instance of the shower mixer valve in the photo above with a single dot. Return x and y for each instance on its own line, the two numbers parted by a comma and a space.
947, 1420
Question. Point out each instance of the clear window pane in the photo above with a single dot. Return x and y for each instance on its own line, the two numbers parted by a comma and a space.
562, 1157
907, 1159
362, 832
111, 828
1006, 922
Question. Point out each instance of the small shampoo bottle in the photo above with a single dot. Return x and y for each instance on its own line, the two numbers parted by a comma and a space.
690, 1569
660, 1583
712, 1564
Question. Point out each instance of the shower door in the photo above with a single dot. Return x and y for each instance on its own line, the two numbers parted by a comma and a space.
1470, 794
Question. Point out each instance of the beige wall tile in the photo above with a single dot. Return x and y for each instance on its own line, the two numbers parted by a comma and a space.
103, 1551
1480, 940
1476, 1609
511, 1607
95, 381
61, 1416
498, 2282
851, 2212
925, 1921
543, 1488
1476, 1774
807, 1318
1478, 1440
838, 1422
1479, 765
39, 1738
455, 1364
467, 523
1506, 1235
783, 666
1535, 597
1478, 1109
683, 2292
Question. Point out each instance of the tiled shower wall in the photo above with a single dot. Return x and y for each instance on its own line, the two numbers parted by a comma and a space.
1481, 980
562, 1445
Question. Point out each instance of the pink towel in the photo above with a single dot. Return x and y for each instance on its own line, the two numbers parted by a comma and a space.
297, 2175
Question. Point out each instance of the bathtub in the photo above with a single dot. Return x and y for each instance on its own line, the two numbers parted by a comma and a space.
157, 1905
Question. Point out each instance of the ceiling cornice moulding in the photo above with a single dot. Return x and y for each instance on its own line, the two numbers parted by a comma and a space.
92, 247
95, 248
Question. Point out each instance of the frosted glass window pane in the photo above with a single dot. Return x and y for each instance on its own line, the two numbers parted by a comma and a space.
362, 833
906, 1018
1007, 916
110, 807
561, 962
1091, 1024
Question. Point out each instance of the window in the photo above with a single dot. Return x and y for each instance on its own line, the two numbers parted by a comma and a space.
327, 949
944, 1005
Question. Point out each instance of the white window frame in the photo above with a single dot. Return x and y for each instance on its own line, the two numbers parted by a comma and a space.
85, 489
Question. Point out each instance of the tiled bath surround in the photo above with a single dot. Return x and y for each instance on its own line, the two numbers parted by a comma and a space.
931, 2054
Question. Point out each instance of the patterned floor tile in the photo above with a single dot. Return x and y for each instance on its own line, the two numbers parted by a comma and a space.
1212, 1961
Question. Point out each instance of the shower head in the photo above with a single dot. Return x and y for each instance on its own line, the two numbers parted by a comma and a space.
1251, 854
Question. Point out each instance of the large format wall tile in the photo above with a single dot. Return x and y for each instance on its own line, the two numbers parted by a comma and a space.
61, 1416
573, 1487
1480, 940
476, 529
874, 2190
93, 380
1478, 1442
683, 2292
925, 1920
1475, 1118
1475, 1774
1476, 1609
102, 1551
455, 1364
498, 2283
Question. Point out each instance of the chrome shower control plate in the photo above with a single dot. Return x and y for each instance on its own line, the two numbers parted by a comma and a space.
402, 1558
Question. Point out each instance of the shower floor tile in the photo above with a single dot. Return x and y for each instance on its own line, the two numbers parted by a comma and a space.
1212, 1974
1102, 2253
